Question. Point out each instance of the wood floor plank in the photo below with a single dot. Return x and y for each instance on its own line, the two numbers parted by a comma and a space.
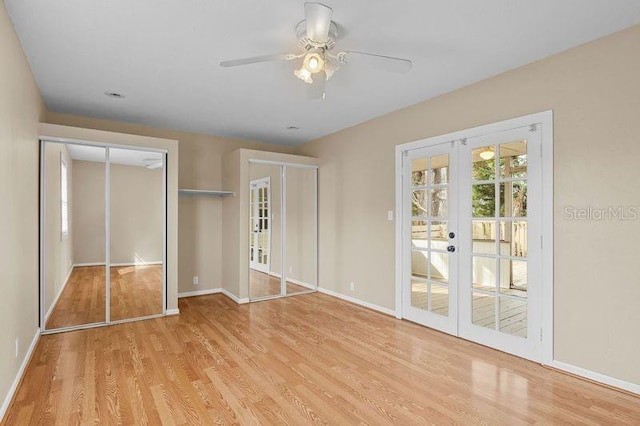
311, 359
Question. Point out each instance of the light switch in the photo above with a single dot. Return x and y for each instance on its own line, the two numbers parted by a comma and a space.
390, 215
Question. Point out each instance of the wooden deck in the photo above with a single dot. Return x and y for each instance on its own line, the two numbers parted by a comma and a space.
512, 315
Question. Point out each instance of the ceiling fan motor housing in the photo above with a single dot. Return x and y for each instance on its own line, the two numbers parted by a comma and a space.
306, 43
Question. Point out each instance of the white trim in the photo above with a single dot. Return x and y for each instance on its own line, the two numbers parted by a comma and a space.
70, 141
53, 304
233, 297
294, 281
283, 163
596, 377
199, 292
355, 301
546, 144
155, 262
212, 291
107, 234
399, 235
175, 311
18, 378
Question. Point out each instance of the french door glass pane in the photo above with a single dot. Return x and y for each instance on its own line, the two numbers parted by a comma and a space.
420, 263
439, 270
484, 310
514, 238
438, 202
483, 163
419, 168
513, 316
440, 299
513, 199
484, 271
483, 200
439, 173
419, 203
513, 159
419, 234
419, 293
484, 236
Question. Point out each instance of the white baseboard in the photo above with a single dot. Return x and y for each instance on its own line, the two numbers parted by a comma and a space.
175, 311
199, 292
55, 300
16, 381
234, 297
155, 262
214, 291
386, 311
294, 281
596, 377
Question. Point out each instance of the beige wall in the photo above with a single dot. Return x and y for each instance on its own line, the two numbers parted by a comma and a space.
58, 251
20, 110
200, 225
594, 91
136, 213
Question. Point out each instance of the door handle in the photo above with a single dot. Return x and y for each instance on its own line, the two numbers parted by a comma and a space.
451, 249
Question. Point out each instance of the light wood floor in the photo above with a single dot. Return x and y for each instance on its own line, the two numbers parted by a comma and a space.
297, 360
261, 284
136, 291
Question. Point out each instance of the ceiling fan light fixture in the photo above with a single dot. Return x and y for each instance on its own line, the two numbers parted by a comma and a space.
304, 75
313, 62
487, 154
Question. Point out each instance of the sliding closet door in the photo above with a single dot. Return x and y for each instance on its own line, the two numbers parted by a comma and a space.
136, 227
300, 230
72, 235
265, 242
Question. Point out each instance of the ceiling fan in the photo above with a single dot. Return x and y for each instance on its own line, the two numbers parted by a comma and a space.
317, 35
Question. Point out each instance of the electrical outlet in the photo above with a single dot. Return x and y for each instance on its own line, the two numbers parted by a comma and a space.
352, 286
196, 280
17, 346
290, 269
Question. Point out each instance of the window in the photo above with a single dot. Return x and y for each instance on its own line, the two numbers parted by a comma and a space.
64, 204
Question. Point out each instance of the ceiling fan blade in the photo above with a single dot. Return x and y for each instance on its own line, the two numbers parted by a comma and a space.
316, 89
256, 59
317, 20
386, 63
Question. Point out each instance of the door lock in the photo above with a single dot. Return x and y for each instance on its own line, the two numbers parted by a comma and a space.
452, 234
451, 249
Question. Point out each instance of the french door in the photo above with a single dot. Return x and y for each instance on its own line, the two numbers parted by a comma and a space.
471, 239
260, 217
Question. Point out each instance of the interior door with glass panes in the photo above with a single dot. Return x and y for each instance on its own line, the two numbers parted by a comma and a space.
499, 246
429, 235
260, 223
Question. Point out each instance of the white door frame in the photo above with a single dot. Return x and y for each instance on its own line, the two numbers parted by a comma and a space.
545, 121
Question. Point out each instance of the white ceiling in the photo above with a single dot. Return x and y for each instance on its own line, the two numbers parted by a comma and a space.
163, 56
127, 157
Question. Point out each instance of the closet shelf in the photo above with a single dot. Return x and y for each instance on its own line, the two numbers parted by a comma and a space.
206, 192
